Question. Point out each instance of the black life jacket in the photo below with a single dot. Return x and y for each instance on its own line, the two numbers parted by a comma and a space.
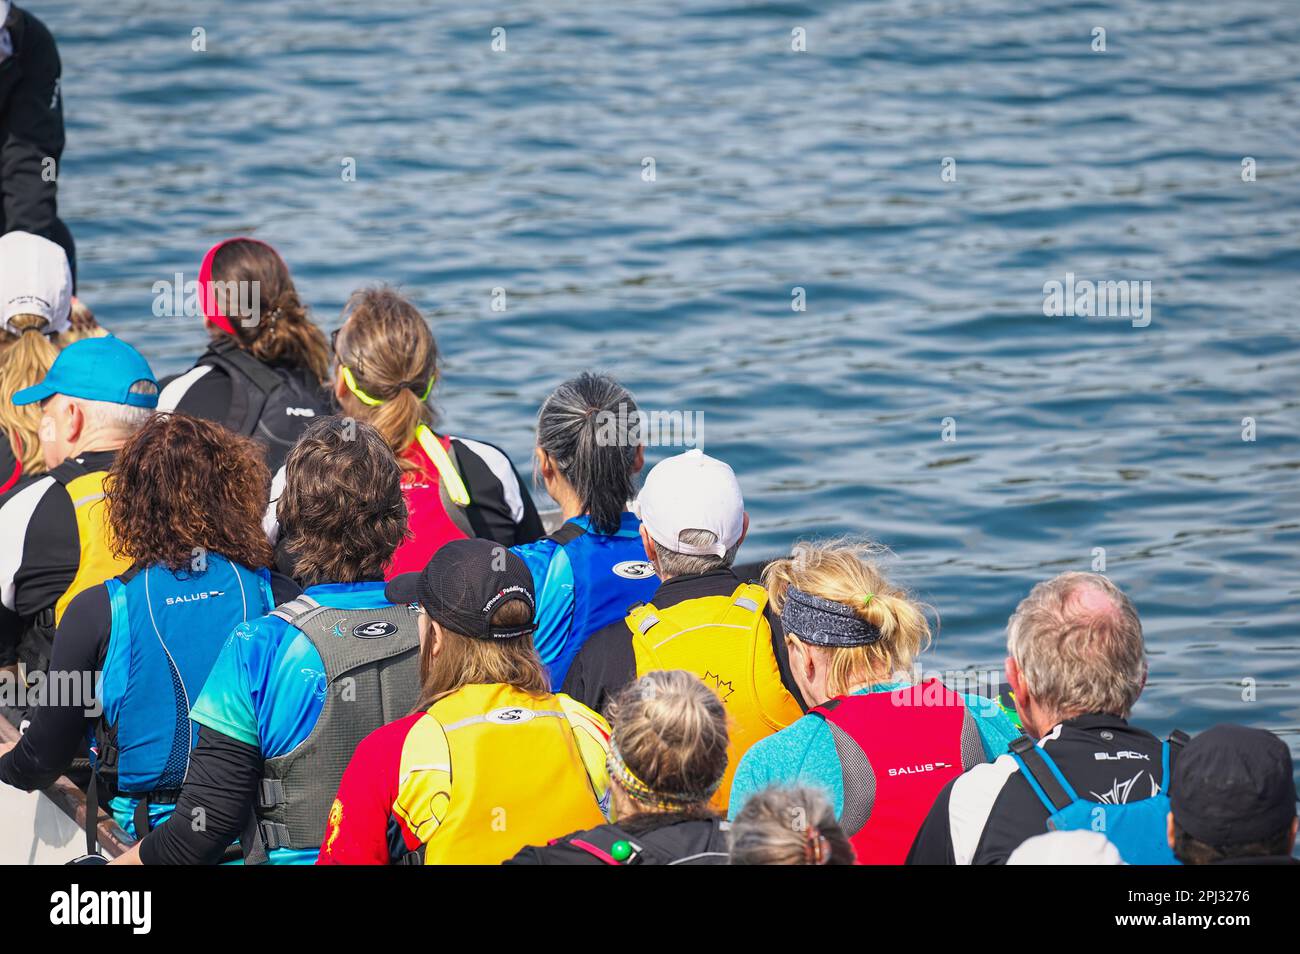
691, 841
273, 405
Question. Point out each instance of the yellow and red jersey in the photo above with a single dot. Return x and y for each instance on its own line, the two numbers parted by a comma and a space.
484, 772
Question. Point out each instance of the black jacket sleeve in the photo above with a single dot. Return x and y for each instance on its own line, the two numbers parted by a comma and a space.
489, 513
213, 806
69, 706
31, 133
208, 397
51, 553
604, 665
933, 843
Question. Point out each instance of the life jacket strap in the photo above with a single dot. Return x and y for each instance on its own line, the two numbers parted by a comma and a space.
447, 472
270, 793
567, 533
1042, 775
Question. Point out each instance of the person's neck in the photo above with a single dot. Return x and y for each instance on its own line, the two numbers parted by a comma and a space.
564, 495
96, 443
1045, 722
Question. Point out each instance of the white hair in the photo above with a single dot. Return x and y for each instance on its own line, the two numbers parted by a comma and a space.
123, 419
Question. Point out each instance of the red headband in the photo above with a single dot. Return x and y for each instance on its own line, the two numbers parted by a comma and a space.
207, 294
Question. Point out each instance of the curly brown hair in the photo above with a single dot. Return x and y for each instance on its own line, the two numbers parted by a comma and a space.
342, 510
182, 486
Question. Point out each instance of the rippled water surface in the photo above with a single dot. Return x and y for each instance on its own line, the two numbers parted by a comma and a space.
775, 170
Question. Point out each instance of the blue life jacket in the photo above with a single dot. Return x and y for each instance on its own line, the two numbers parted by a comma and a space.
167, 629
584, 580
1138, 829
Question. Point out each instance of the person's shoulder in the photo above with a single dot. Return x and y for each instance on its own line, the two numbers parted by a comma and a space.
90, 603
610, 638
261, 632
982, 784
568, 849
792, 743
537, 554
193, 390
30, 489
385, 743
36, 35
488, 452
582, 714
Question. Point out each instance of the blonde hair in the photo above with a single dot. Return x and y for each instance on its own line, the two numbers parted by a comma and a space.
392, 354
789, 826
25, 359
844, 571
671, 733
464, 661
1078, 658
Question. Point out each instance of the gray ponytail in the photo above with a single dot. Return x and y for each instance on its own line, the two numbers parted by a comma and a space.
589, 427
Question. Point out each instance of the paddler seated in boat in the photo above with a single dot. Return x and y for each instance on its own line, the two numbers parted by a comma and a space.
182, 506
96, 394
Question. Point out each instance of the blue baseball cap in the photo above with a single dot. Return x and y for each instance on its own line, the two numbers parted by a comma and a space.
95, 369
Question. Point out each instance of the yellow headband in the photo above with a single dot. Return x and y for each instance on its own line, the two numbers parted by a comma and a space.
351, 381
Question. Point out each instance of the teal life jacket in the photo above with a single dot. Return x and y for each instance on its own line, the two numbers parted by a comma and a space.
1138, 829
168, 627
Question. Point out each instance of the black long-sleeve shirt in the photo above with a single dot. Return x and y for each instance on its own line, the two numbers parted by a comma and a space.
31, 133
40, 554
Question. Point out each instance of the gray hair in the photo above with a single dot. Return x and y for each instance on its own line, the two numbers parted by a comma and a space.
1078, 658
124, 419
596, 457
672, 563
778, 825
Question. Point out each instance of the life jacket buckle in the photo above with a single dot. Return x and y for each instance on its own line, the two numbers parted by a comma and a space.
270, 793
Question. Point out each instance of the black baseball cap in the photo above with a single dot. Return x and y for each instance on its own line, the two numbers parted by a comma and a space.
464, 584
1233, 785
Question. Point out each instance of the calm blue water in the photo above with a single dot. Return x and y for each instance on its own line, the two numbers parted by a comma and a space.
777, 169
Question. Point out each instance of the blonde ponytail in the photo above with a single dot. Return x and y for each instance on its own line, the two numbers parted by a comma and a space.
393, 358
397, 420
24, 360
846, 572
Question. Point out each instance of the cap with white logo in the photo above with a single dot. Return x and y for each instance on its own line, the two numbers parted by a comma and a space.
34, 280
692, 491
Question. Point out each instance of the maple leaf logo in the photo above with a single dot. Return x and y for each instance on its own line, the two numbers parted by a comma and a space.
723, 689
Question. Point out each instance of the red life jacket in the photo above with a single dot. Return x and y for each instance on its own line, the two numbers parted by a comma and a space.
427, 508
897, 750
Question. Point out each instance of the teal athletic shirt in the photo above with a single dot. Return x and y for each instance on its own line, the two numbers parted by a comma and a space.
804, 753
267, 687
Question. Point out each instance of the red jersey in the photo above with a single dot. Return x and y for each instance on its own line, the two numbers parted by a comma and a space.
428, 520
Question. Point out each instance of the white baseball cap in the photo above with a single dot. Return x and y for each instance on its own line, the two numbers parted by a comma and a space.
34, 280
692, 491
1067, 848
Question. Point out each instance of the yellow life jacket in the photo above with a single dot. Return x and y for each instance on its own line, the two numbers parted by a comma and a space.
97, 562
727, 642
490, 769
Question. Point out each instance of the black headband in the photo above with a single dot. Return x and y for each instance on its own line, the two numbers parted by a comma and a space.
824, 622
